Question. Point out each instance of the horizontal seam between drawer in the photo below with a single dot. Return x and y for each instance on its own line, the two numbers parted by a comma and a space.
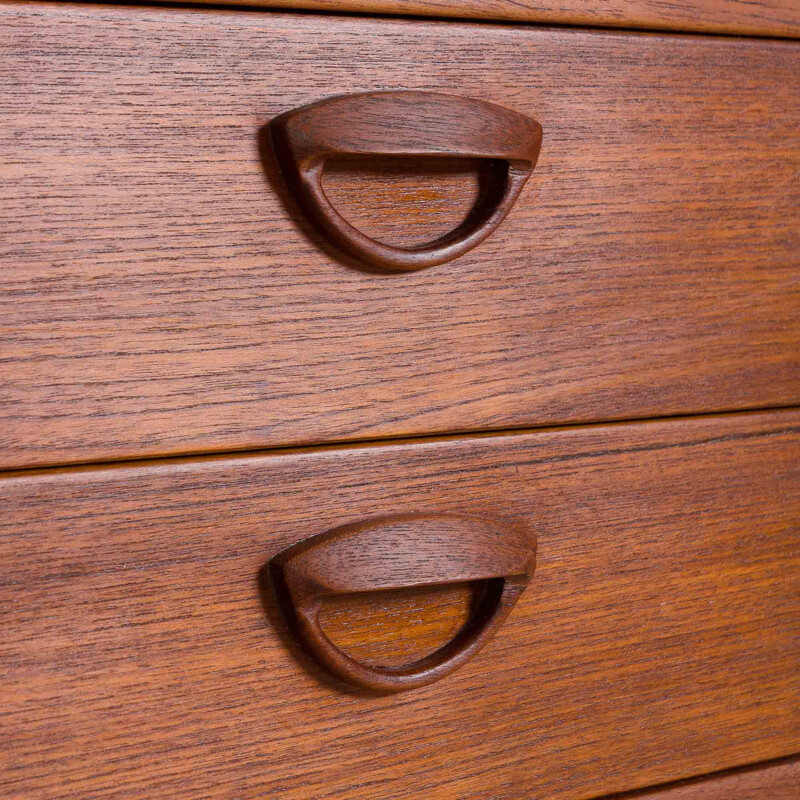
654, 790
399, 441
420, 18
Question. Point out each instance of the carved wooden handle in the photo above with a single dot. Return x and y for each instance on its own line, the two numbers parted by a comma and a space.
403, 551
405, 124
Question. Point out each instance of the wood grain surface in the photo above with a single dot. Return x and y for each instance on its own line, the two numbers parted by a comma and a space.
659, 638
778, 780
161, 295
754, 17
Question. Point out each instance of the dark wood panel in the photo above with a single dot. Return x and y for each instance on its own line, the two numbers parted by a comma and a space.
759, 17
778, 780
161, 295
658, 638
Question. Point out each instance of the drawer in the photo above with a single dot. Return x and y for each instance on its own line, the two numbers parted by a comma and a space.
163, 294
760, 18
142, 653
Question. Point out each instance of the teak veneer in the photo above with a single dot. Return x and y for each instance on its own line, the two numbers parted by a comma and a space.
162, 295
224, 230
658, 638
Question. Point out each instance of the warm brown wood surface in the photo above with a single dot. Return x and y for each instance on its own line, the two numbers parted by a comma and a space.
754, 17
659, 637
779, 780
158, 297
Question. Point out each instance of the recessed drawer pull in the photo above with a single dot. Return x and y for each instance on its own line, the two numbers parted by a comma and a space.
405, 123
396, 552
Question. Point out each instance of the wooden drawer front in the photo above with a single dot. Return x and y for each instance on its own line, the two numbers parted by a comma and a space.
159, 298
659, 637
762, 17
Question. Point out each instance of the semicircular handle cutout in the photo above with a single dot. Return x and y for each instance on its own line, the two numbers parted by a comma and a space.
405, 123
406, 550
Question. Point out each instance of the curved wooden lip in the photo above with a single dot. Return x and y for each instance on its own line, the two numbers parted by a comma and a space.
410, 123
399, 551
405, 123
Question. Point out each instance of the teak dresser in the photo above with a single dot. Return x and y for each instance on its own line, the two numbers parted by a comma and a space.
400, 400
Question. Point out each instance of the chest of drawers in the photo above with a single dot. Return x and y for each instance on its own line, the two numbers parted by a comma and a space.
195, 377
